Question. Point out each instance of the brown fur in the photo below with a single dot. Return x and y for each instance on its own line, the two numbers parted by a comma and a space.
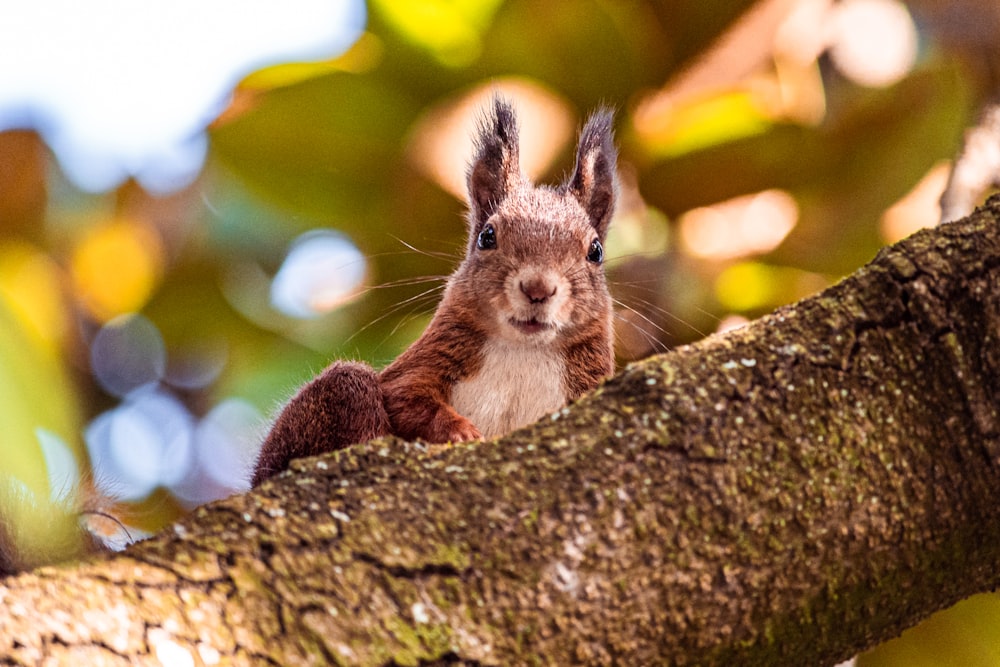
534, 300
340, 407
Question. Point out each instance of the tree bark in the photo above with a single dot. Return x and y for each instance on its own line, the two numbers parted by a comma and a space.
789, 493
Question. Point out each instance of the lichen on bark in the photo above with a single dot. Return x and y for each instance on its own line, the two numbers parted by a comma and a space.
787, 493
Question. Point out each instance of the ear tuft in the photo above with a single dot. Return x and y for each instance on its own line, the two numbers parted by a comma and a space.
495, 169
593, 182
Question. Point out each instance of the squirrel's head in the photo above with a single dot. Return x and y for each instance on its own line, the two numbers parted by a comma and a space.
535, 254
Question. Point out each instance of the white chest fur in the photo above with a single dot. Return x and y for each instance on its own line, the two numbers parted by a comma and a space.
516, 385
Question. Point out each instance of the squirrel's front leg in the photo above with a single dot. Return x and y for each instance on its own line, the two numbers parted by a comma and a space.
418, 410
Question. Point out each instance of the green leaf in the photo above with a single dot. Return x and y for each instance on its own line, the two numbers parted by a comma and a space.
451, 30
325, 147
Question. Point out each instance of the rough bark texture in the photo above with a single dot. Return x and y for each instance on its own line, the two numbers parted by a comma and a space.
789, 493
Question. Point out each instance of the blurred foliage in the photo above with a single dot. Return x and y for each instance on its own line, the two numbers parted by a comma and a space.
709, 108
967, 635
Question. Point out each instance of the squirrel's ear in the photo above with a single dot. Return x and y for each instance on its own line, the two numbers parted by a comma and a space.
593, 181
495, 169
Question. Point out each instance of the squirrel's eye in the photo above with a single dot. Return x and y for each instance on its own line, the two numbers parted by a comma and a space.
487, 238
596, 252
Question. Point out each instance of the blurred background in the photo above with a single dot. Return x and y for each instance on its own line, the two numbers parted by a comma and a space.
202, 204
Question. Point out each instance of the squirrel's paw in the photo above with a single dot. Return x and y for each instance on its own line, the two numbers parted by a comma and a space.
449, 426
463, 430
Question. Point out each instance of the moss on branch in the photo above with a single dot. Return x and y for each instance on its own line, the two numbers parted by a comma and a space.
788, 493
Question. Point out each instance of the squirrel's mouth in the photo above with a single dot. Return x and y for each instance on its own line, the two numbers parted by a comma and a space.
531, 326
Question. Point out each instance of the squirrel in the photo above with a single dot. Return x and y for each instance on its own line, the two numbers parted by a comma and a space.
523, 327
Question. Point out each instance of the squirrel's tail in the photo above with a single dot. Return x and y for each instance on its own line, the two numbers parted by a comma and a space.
340, 407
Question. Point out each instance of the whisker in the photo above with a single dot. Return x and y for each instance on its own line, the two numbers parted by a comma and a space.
630, 255
659, 310
406, 318
417, 300
708, 314
395, 309
629, 283
406, 282
113, 519
428, 253
573, 272
655, 343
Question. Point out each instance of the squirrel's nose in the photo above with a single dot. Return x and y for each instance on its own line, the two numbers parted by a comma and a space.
537, 290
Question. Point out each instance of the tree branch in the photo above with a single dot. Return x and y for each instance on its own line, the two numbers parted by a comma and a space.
789, 493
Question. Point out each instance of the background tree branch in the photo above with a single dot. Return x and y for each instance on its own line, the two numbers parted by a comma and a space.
789, 493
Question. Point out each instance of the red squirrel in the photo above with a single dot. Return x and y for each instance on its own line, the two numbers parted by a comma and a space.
525, 323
